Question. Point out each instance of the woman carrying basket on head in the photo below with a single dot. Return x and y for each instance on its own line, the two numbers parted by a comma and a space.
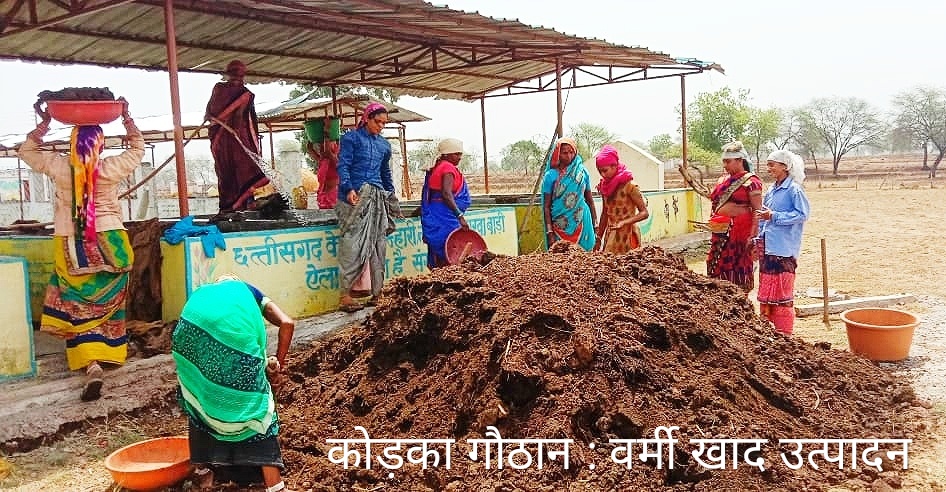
85, 299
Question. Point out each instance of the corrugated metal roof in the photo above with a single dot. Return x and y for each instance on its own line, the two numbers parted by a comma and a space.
408, 45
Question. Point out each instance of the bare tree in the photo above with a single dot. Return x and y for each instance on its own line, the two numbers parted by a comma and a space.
789, 130
843, 124
921, 114
200, 171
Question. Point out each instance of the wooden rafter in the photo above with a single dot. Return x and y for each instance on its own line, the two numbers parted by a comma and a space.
35, 23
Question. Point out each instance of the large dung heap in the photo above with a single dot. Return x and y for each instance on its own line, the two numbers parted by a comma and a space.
588, 347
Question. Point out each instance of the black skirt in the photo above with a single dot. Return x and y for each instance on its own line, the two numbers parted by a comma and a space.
237, 461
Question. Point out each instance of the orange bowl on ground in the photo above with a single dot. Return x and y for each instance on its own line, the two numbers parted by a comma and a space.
84, 112
880, 334
151, 464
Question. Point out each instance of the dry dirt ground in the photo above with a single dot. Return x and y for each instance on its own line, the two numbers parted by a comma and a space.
879, 241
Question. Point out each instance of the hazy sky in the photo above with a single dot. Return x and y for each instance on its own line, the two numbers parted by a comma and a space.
785, 53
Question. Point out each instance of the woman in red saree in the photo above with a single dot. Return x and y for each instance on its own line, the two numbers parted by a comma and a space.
238, 175
737, 196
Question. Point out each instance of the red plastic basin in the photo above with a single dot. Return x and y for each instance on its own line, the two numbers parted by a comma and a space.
458, 240
84, 112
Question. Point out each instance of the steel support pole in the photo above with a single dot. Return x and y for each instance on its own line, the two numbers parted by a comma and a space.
171, 45
485, 153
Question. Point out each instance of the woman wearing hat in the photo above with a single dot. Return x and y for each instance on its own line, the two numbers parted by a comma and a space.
239, 178
781, 221
444, 199
623, 204
737, 195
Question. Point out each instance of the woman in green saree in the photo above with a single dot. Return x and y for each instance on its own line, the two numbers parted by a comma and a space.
219, 346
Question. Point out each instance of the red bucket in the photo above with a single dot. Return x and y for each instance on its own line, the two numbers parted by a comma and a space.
463, 239
84, 112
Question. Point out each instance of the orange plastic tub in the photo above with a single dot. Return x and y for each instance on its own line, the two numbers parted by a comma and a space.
85, 112
151, 464
880, 334
463, 242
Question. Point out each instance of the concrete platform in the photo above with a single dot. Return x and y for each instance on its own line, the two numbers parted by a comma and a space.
36, 409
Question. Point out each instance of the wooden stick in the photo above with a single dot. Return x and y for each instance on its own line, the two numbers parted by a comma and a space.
465, 252
26, 226
824, 281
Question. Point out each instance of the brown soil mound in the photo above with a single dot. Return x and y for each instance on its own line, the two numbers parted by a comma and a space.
579, 346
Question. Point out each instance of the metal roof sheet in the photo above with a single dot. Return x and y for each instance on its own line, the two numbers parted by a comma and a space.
409, 46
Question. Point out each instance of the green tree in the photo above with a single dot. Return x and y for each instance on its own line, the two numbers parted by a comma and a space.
322, 92
524, 156
842, 124
762, 130
661, 146
717, 118
590, 138
921, 117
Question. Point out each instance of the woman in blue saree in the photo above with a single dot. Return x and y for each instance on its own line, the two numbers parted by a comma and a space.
566, 198
444, 198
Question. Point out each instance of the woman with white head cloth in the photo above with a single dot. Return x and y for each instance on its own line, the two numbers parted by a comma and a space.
444, 199
737, 195
781, 220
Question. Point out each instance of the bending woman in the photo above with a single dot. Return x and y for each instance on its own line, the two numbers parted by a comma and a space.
737, 196
219, 348
85, 299
566, 198
444, 199
781, 222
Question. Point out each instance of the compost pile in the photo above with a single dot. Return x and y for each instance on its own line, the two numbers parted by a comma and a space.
588, 347
78, 94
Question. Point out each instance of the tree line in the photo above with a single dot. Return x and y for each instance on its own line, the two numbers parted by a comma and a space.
825, 127
829, 127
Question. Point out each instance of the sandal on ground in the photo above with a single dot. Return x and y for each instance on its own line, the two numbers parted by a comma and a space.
373, 301
351, 307
93, 385
203, 478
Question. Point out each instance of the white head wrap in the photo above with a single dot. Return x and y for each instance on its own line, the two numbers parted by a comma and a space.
450, 146
793, 161
735, 150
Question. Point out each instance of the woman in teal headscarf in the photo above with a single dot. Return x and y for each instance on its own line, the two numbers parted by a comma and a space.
219, 347
566, 198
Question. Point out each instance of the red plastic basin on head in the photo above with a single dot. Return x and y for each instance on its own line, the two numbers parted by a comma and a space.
84, 112
458, 240
151, 464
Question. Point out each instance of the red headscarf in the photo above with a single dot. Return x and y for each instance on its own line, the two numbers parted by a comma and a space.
608, 156
370, 108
